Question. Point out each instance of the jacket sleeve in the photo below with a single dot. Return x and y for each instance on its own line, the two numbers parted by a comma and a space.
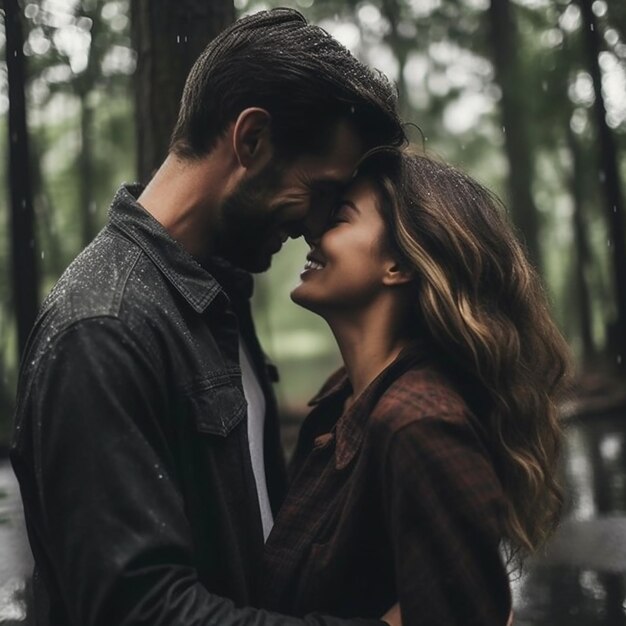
104, 502
443, 502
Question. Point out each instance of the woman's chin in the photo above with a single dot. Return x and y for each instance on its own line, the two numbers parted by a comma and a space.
300, 296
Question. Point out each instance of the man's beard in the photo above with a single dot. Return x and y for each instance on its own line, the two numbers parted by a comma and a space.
246, 223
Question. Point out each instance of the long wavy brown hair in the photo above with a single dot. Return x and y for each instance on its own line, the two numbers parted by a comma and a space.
479, 299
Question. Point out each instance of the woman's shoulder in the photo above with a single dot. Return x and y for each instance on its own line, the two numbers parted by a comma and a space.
423, 424
421, 393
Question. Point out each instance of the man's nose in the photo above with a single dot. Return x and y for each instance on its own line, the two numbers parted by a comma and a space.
313, 231
312, 240
315, 223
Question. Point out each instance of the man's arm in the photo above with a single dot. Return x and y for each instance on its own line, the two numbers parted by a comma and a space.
107, 507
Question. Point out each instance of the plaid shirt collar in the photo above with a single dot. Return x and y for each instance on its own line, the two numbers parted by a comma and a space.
350, 427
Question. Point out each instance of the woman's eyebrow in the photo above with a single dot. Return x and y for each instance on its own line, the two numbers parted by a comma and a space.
350, 204
327, 185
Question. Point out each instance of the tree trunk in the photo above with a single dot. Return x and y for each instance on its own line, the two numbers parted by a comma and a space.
609, 179
391, 10
514, 118
84, 86
85, 171
582, 246
168, 38
24, 263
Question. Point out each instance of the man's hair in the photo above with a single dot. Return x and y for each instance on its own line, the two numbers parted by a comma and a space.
302, 76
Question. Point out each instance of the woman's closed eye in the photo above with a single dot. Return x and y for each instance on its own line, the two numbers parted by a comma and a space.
338, 215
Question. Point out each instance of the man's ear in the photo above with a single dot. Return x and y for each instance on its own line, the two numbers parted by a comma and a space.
397, 274
252, 141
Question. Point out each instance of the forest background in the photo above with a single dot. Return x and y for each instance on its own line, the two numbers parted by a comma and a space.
529, 96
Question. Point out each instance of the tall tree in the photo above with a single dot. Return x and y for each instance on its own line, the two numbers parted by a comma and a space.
83, 85
168, 38
24, 264
401, 47
609, 178
505, 47
583, 255
557, 112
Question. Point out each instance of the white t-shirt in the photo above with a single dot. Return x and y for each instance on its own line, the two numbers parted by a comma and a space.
256, 428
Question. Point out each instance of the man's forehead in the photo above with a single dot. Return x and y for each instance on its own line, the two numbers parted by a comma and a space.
337, 165
346, 143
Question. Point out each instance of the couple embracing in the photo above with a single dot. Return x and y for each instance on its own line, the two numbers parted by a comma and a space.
147, 443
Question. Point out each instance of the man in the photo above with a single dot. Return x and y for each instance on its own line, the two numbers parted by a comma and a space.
146, 441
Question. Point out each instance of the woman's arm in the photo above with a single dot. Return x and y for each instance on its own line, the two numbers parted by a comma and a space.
444, 503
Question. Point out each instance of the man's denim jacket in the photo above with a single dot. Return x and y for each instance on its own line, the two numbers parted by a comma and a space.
130, 441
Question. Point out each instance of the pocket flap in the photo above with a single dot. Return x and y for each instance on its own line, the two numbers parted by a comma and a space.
218, 408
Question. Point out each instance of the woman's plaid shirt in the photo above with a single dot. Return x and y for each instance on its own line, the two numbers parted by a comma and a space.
395, 499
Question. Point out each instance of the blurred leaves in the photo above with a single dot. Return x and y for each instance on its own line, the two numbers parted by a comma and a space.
439, 53
79, 64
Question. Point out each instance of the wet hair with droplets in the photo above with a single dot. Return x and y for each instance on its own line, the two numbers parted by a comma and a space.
301, 75
480, 303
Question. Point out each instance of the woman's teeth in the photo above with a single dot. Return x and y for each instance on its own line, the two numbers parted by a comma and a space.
313, 265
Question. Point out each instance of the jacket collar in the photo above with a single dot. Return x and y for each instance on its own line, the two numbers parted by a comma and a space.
351, 426
196, 284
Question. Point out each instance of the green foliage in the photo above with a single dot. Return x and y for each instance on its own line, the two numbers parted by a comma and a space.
439, 53
78, 55
441, 59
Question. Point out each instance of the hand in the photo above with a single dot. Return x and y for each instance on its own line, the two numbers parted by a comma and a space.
392, 616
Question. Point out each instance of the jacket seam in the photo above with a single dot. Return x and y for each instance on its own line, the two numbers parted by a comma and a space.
122, 290
199, 304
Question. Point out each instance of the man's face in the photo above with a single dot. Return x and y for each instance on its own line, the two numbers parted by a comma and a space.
286, 199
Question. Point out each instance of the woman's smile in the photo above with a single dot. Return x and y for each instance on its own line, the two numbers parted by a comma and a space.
313, 263
346, 263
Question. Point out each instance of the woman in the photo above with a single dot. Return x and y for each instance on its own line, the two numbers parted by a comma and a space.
435, 446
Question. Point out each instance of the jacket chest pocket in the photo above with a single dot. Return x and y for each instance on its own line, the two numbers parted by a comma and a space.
217, 406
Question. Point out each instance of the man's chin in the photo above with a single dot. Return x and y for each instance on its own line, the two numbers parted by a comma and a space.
259, 268
254, 266
242, 256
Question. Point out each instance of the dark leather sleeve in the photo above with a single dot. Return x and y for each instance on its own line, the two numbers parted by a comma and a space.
104, 500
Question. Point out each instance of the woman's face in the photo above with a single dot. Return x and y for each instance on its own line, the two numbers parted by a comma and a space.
345, 268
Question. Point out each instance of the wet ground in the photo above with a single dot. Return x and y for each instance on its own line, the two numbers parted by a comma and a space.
579, 580
15, 559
